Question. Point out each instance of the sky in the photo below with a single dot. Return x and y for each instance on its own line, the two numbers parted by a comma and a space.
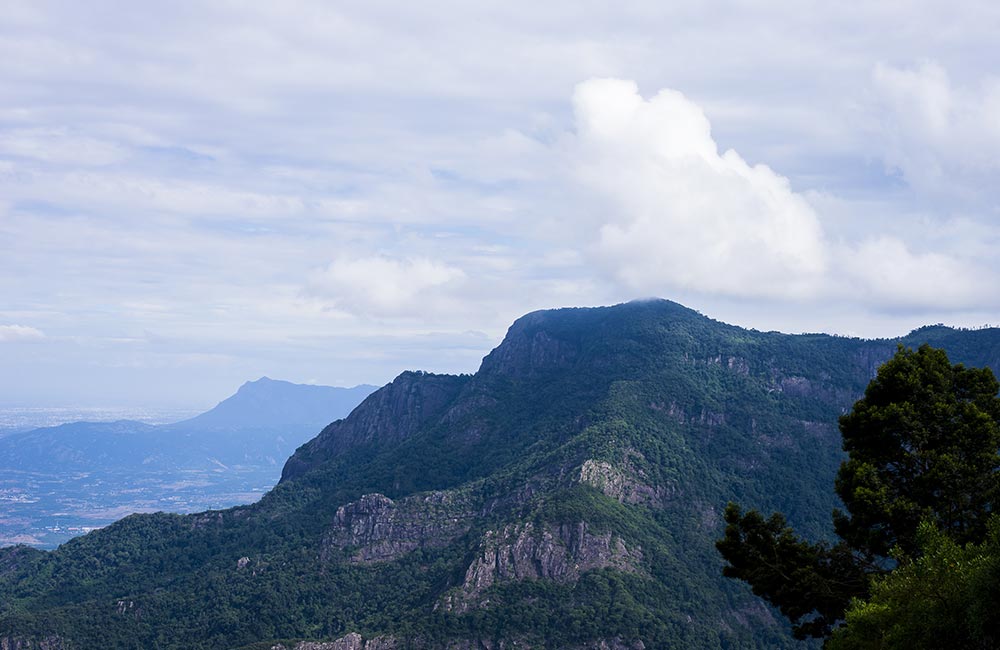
194, 194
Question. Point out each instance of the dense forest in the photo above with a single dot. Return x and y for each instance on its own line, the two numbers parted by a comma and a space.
568, 493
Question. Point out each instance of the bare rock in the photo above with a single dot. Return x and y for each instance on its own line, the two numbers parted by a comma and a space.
381, 529
352, 641
522, 551
628, 484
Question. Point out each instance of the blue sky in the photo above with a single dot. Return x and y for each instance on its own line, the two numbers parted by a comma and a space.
197, 194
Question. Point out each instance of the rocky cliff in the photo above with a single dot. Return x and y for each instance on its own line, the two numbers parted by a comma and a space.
525, 552
376, 529
388, 416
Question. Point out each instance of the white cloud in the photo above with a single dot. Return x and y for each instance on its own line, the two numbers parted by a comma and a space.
60, 147
384, 286
883, 272
188, 172
19, 334
944, 139
680, 215
676, 215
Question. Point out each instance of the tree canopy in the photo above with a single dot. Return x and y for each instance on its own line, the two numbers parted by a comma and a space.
921, 480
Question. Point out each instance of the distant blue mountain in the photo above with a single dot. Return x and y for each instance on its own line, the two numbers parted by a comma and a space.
274, 404
58, 482
260, 425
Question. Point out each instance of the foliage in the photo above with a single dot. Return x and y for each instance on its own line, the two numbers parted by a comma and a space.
923, 447
808, 582
923, 444
944, 598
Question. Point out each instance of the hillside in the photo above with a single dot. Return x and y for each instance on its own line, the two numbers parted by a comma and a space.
566, 495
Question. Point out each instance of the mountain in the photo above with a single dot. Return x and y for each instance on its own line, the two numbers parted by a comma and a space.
262, 423
273, 404
57, 482
567, 495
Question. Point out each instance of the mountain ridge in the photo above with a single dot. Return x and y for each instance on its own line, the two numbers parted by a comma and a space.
267, 402
123, 441
566, 495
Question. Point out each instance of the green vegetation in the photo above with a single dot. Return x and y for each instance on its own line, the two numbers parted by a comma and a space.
945, 597
921, 482
681, 413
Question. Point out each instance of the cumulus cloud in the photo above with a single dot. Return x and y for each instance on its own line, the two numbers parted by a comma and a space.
942, 138
384, 286
680, 214
19, 334
676, 214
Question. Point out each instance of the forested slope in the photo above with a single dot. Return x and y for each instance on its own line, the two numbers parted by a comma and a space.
566, 494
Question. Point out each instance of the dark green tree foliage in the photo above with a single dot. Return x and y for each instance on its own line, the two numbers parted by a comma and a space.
923, 447
945, 598
810, 583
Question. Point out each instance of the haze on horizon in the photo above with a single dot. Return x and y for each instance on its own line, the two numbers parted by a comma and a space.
193, 195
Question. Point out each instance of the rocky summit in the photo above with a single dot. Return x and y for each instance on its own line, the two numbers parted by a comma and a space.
567, 495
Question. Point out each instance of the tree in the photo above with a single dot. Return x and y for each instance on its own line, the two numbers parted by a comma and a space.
922, 449
944, 598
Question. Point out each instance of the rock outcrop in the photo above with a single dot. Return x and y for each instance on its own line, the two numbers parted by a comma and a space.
523, 551
628, 484
378, 529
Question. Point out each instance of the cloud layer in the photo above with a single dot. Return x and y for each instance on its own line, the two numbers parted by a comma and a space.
194, 195
942, 138
383, 286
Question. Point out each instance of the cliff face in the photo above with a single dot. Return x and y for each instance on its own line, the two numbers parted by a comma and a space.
529, 350
567, 495
391, 414
525, 552
377, 529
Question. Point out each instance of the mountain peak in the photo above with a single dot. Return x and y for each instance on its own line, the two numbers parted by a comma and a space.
263, 382
549, 339
275, 402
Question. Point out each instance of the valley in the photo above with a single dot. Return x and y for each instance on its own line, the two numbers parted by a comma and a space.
44, 510
64, 480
